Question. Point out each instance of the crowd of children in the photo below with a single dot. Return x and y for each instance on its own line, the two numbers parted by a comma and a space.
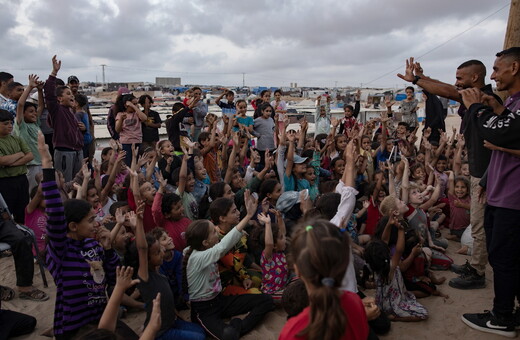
234, 215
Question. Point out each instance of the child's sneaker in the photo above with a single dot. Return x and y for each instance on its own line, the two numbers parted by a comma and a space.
489, 323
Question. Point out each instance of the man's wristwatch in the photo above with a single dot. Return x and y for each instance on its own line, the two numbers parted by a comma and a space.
415, 80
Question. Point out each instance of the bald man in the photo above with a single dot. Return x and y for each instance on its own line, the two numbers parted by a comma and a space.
470, 74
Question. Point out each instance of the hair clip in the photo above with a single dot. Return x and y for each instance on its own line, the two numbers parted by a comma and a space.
307, 228
327, 281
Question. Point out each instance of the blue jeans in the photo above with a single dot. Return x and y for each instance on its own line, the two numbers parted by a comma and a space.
183, 330
128, 149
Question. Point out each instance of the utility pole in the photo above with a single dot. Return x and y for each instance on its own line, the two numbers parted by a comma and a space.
103, 73
243, 80
512, 37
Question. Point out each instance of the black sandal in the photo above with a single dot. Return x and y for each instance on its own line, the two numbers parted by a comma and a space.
6, 293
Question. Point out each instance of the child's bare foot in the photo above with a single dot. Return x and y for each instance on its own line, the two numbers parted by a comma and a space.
452, 237
463, 250
437, 281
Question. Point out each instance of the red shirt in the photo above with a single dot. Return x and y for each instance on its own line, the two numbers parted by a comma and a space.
373, 216
148, 222
357, 324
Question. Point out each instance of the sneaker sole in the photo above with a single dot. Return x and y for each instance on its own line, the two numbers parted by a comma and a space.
509, 334
452, 285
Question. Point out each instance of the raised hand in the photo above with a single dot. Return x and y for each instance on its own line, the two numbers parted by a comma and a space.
264, 218
418, 69
155, 318
162, 182
43, 149
408, 71
251, 203
132, 216
357, 96
120, 217
124, 277
33, 80
56, 65
86, 171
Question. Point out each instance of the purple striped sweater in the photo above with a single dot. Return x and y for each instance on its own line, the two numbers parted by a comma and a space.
78, 267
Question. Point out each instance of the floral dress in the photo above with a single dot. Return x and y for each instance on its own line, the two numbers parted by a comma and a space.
275, 273
394, 299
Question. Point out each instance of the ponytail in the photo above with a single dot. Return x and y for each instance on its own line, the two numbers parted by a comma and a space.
184, 275
321, 254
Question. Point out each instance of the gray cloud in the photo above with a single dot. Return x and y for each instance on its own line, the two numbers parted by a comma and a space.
274, 42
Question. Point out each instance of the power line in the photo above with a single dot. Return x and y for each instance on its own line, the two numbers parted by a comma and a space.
442, 44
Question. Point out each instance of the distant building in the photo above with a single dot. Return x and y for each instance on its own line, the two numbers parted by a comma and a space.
167, 81
134, 85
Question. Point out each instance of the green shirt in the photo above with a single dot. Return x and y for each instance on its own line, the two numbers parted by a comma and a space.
9, 145
29, 133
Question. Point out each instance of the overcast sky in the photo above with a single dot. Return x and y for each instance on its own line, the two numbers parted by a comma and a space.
274, 42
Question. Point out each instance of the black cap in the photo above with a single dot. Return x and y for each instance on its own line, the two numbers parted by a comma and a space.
72, 79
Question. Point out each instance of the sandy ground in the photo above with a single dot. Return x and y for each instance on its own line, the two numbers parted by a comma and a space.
444, 321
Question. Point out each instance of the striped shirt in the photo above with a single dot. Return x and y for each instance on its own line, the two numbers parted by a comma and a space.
78, 267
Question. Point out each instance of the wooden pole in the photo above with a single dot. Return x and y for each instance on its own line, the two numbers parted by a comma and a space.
512, 37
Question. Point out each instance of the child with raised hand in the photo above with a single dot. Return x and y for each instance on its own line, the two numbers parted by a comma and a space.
202, 280
27, 125
67, 138
275, 273
128, 124
168, 213
172, 266
391, 294
108, 322
35, 217
320, 258
238, 272
78, 263
185, 182
152, 282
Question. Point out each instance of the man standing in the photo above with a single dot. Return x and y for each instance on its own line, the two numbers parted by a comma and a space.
500, 126
470, 74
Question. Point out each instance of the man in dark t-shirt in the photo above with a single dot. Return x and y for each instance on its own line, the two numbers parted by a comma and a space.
470, 74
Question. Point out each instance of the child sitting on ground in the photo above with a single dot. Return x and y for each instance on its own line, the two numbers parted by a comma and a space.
391, 294
320, 258
458, 195
168, 213
172, 266
275, 273
152, 283
202, 280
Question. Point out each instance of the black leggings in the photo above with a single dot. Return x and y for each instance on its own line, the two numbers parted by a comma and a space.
210, 314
